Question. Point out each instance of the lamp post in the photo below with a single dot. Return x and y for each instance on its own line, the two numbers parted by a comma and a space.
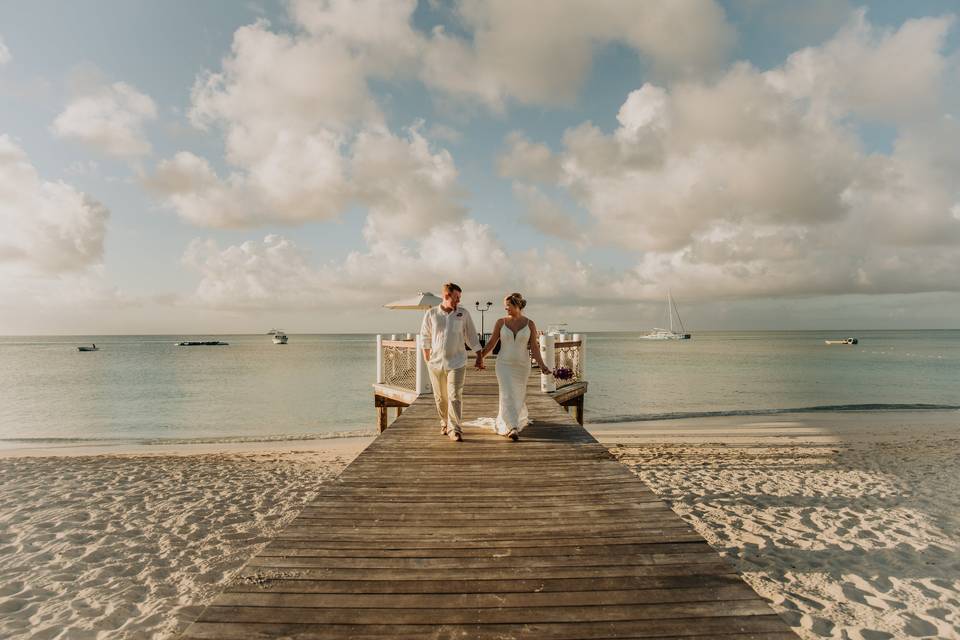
483, 335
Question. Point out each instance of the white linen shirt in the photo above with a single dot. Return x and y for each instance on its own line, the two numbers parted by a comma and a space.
445, 334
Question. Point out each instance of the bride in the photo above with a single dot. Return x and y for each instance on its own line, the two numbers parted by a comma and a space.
516, 334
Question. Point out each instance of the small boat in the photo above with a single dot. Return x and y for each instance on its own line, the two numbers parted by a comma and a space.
92, 347
279, 338
669, 334
844, 341
202, 343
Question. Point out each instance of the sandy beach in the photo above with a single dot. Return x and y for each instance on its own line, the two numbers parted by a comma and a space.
847, 522
130, 544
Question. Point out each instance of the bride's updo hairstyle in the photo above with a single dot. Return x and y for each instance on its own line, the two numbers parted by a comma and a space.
516, 300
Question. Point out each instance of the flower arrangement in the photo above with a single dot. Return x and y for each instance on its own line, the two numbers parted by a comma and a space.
563, 373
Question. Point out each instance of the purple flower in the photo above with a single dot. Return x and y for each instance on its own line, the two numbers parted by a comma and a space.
562, 373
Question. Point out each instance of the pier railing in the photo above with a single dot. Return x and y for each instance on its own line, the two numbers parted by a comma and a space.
566, 351
400, 365
402, 375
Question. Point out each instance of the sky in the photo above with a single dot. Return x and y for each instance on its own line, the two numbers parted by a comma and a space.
229, 167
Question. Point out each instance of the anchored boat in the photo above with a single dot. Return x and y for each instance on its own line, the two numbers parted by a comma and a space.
669, 334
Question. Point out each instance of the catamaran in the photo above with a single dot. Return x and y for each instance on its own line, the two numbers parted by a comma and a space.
669, 334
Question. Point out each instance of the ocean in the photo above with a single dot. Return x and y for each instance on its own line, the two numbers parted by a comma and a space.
145, 389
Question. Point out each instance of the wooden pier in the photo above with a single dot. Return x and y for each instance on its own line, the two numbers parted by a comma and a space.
548, 537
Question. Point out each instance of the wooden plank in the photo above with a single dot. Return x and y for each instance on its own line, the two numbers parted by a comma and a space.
549, 537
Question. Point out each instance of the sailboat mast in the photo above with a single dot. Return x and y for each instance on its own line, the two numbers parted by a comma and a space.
679, 319
670, 310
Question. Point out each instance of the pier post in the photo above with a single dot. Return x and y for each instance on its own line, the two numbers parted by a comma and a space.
421, 384
547, 383
379, 359
582, 339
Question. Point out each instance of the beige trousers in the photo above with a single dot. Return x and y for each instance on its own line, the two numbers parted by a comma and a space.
448, 392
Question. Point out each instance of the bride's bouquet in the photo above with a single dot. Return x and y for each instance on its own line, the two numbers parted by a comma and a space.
562, 373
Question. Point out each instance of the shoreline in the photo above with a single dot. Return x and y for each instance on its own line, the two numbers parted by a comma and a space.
846, 522
340, 444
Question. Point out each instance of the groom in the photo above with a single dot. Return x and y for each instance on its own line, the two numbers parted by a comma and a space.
445, 329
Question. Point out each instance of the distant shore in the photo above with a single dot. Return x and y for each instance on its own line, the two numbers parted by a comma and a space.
847, 522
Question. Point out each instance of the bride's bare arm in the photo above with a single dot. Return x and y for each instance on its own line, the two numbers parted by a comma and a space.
494, 339
534, 346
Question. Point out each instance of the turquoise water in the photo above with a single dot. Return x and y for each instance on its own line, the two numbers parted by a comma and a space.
143, 388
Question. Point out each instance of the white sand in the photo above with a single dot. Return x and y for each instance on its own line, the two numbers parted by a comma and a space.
848, 522
133, 545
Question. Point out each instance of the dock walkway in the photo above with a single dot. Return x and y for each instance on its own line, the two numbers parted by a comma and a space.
548, 537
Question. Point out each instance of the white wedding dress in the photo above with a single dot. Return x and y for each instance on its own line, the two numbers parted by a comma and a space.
513, 370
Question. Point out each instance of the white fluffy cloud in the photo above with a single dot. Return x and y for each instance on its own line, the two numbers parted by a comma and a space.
540, 52
756, 184
48, 227
276, 274
526, 160
305, 138
873, 73
379, 31
110, 118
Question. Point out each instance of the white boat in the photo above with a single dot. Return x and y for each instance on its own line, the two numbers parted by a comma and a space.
279, 337
92, 347
669, 334
556, 329
844, 341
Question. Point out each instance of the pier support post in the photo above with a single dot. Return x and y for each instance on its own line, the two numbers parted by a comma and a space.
422, 377
379, 359
547, 383
582, 339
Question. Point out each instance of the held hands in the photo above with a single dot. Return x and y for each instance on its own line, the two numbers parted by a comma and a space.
479, 363
545, 370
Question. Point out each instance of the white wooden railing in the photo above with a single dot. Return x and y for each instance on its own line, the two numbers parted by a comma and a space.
564, 350
400, 361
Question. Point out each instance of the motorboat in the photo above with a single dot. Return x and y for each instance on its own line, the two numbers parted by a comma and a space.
669, 334
844, 341
92, 347
202, 343
279, 337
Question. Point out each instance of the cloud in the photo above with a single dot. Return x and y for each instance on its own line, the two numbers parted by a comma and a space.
305, 139
49, 228
5, 55
379, 31
110, 118
526, 160
275, 274
547, 216
755, 183
879, 74
407, 186
510, 56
